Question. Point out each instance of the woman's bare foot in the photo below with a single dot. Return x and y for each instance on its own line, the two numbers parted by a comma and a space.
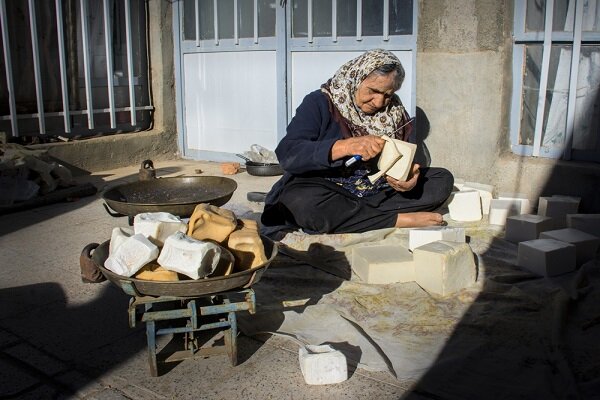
416, 219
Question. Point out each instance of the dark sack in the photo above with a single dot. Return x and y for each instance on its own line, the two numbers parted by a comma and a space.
90, 273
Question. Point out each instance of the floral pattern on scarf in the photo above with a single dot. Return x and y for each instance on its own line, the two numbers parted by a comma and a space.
342, 87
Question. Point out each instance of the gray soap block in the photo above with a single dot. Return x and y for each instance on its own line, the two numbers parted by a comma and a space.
546, 257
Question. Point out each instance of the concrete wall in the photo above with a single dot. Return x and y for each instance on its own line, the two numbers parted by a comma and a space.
159, 143
464, 78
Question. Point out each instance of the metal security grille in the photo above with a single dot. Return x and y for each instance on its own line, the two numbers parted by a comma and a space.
243, 66
74, 67
556, 79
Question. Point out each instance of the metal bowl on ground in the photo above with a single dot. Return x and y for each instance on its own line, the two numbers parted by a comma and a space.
263, 169
183, 288
178, 196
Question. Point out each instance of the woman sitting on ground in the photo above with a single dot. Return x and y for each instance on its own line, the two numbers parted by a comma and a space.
347, 117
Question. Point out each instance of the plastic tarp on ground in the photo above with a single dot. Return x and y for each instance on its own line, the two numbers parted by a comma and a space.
511, 334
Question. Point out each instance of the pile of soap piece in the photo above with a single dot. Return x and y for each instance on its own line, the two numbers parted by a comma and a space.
553, 240
437, 258
474, 200
162, 247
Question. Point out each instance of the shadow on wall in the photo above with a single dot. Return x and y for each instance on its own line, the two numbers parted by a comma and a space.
421, 133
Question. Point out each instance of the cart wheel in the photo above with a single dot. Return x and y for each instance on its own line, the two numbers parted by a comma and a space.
151, 336
231, 339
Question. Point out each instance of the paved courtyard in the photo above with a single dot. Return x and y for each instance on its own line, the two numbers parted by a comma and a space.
61, 338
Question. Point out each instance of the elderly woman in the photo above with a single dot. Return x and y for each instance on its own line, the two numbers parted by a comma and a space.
347, 117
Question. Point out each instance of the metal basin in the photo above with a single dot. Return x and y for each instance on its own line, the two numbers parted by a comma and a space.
184, 288
178, 196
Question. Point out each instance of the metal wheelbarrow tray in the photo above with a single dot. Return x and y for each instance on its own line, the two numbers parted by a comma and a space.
184, 288
178, 196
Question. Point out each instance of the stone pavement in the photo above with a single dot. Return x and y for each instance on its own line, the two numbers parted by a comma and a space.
61, 338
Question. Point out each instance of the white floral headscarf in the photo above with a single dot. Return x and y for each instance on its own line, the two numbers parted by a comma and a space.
341, 89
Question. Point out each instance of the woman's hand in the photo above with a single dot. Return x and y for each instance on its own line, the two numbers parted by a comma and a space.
407, 185
367, 147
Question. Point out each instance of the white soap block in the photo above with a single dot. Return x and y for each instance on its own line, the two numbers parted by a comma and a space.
502, 209
135, 252
420, 236
558, 207
520, 228
322, 365
518, 198
586, 245
486, 193
118, 236
383, 264
444, 267
188, 256
589, 223
546, 257
459, 183
465, 205
158, 226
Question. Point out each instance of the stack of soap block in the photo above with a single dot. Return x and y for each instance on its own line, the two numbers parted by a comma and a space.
556, 240
161, 246
474, 200
441, 262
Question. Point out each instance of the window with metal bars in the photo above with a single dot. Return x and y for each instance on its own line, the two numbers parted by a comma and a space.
74, 68
556, 79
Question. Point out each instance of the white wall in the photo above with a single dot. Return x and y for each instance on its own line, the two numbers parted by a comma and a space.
230, 100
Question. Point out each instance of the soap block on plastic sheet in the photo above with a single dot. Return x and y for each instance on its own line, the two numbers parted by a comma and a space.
500, 210
383, 264
209, 222
546, 257
588, 223
322, 365
558, 207
520, 228
135, 252
486, 193
158, 226
586, 245
518, 198
188, 256
465, 206
443, 267
459, 183
118, 236
420, 236
575, 199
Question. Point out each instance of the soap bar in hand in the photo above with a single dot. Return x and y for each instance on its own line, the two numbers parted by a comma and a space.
396, 159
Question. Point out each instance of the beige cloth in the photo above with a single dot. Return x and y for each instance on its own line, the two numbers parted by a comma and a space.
511, 335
